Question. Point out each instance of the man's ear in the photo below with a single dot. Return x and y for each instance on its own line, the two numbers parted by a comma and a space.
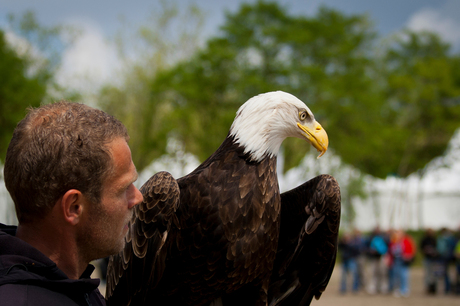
72, 204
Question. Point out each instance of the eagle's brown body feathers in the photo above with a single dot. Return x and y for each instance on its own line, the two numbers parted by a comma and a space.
225, 233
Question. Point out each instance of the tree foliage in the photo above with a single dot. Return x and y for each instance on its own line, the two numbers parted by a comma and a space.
321, 59
27, 68
148, 114
422, 99
18, 90
388, 108
386, 111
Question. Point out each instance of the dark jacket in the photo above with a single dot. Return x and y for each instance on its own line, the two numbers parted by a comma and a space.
348, 250
428, 247
28, 277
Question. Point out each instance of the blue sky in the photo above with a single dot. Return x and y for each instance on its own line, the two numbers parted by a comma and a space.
389, 15
91, 60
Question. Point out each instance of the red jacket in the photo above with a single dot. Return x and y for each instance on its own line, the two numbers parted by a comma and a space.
404, 249
409, 248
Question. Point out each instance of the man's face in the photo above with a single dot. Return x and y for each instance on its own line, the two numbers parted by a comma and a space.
108, 220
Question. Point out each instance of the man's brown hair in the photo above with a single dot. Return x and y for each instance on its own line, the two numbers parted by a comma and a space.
55, 148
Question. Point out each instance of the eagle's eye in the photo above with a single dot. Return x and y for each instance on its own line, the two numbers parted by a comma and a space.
303, 115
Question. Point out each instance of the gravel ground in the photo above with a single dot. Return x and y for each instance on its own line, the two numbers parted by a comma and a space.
332, 297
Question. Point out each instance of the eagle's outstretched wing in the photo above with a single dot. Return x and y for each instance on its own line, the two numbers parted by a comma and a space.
310, 217
141, 263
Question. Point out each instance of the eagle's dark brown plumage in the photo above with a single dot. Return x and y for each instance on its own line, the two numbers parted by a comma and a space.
223, 235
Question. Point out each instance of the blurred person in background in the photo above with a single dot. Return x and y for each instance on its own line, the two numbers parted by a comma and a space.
388, 261
457, 263
402, 253
359, 243
430, 257
377, 247
349, 255
445, 244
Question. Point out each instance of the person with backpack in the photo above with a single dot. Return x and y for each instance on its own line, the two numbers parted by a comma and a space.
445, 245
349, 253
430, 258
402, 251
376, 249
457, 264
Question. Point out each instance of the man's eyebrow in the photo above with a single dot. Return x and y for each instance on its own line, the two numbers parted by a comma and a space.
135, 177
131, 181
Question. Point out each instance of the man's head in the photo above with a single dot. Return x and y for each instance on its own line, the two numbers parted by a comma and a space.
55, 148
103, 228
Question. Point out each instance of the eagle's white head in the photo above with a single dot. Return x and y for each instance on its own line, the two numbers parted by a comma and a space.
264, 121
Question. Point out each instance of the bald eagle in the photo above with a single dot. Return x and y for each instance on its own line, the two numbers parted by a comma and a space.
223, 234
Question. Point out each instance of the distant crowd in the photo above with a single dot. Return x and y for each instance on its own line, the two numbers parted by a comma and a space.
387, 257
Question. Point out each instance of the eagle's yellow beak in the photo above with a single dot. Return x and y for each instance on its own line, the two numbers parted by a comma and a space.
317, 137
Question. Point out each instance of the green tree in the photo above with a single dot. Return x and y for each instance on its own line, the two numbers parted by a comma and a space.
422, 94
321, 59
388, 108
40, 39
385, 115
170, 35
379, 111
18, 90
27, 71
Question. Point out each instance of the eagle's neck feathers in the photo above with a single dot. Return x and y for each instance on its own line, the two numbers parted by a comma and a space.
259, 142
263, 122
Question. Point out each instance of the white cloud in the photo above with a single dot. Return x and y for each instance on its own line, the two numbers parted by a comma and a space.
19, 44
428, 19
90, 61
24, 49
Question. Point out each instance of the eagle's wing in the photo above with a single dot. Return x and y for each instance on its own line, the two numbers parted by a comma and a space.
310, 217
141, 263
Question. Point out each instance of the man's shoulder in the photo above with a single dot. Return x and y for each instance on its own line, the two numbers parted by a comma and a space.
32, 295
28, 277
25, 294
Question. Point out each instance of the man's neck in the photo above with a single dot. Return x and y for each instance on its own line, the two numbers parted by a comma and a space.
58, 245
